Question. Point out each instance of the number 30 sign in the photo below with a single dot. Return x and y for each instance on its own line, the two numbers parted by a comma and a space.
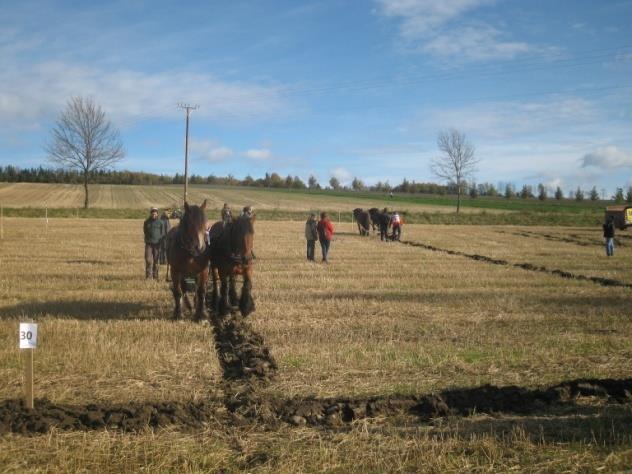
28, 336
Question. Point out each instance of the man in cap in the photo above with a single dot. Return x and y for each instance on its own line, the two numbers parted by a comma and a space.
154, 230
227, 216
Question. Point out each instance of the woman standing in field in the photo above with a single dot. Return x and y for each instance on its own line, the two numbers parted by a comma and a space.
325, 234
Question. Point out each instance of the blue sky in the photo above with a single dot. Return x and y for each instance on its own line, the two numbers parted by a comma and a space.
542, 89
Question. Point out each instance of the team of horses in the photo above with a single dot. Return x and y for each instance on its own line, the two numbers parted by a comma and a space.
226, 254
367, 220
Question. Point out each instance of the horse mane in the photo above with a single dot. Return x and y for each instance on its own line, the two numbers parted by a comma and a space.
242, 225
191, 223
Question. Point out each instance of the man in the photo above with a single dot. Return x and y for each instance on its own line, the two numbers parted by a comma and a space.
311, 235
154, 230
608, 233
384, 220
163, 243
247, 212
325, 233
396, 225
227, 216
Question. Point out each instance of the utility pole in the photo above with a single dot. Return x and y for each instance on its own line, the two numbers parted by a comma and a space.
188, 108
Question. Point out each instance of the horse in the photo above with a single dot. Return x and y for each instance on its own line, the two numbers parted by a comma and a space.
231, 254
374, 212
188, 256
362, 219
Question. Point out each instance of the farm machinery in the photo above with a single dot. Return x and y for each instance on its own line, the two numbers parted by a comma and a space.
622, 215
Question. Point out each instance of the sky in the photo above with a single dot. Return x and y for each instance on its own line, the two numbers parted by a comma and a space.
344, 88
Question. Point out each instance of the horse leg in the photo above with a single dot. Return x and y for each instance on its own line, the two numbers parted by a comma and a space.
233, 299
247, 303
215, 292
185, 296
224, 309
176, 289
200, 310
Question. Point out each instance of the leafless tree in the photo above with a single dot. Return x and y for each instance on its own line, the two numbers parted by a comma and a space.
457, 162
85, 140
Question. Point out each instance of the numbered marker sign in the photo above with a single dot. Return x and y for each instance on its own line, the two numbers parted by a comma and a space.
28, 335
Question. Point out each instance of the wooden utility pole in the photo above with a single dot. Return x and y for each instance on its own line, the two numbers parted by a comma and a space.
188, 108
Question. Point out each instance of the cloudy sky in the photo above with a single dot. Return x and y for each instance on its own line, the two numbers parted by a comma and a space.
332, 88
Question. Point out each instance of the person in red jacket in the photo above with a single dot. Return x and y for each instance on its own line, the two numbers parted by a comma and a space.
325, 234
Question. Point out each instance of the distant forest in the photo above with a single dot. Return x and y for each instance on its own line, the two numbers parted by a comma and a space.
14, 174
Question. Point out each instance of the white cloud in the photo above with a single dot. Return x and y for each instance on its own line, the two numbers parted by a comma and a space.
258, 154
420, 17
507, 119
436, 27
341, 174
209, 150
42, 89
478, 43
607, 158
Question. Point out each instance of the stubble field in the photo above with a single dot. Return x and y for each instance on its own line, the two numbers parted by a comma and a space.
470, 349
110, 196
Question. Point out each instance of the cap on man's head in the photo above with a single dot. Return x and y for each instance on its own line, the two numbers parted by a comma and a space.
153, 209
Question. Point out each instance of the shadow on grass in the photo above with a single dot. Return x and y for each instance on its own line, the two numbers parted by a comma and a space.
84, 310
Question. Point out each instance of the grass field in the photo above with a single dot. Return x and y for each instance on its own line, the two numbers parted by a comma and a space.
104, 196
132, 202
382, 322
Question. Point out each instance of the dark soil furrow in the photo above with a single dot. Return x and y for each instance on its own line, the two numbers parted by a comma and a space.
328, 412
247, 365
571, 239
525, 266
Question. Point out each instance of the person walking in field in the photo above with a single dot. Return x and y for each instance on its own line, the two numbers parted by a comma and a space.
311, 235
396, 225
608, 233
154, 230
325, 233
163, 243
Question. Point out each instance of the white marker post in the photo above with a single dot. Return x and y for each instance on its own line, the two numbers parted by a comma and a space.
28, 341
46, 217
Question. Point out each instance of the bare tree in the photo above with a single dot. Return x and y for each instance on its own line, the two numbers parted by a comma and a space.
457, 163
85, 140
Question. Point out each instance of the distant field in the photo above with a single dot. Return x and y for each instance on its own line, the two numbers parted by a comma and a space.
105, 196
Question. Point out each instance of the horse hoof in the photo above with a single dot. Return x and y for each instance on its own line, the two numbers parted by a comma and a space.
247, 307
200, 315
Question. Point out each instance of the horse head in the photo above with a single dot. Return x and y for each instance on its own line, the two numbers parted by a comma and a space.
193, 225
243, 236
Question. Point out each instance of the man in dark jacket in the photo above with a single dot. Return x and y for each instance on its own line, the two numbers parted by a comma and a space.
384, 220
163, 243
154, 230
311, 235
608, 233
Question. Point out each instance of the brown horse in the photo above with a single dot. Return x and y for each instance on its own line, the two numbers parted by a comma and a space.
188, 256
231, 254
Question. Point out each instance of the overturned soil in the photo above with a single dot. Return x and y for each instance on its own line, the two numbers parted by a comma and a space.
525, 266
325, 412
569, 239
